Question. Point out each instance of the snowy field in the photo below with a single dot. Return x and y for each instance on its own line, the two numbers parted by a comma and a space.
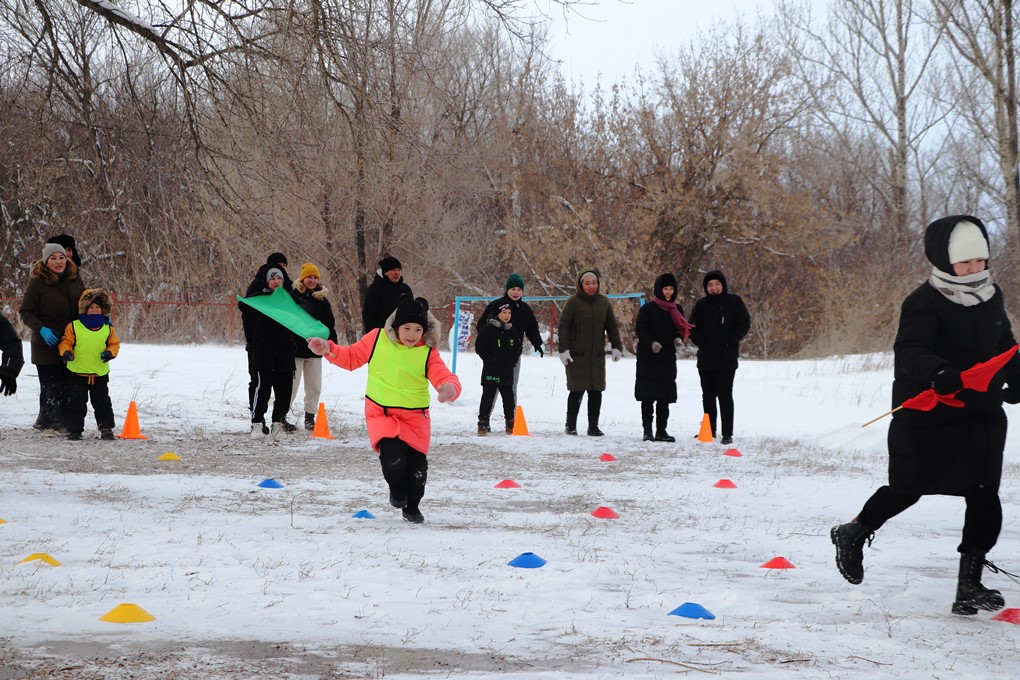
253, 582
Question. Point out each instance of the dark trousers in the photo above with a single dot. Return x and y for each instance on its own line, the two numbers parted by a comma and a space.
52, 396
717, 385
84, 388
982, 521
406, 470
506, 395
661, 415
253, 381
594, 406
280, 383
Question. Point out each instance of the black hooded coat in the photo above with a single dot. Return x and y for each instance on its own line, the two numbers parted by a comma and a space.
656, 371
720, 323
948, 450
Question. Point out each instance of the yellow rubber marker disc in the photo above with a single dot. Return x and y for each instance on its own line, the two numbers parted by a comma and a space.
127, 613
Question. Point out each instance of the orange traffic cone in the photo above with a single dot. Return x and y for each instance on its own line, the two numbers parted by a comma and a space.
705, 434
131, 430
321, 424
520, 425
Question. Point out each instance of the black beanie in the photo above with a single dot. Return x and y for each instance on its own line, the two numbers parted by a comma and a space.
389, 262
411, 310
67, 241
277, 258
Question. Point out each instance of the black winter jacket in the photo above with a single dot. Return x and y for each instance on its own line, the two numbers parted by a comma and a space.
656, 371
316, 303
499, 347
380, 301
522, 319
720, 323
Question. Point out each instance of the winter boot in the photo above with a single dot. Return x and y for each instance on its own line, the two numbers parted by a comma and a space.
510, 426
397, 498
309, 421
661, 418
106, 434
571, 426
663, 436
647, 436
74, 436
594, 410
970, 594
849, 540
413, 516
483, 427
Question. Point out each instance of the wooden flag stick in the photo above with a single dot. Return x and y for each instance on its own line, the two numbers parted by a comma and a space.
887, 413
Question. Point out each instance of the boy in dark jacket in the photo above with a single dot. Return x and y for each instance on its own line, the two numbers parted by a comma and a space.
720, 321
525, 323
88, 346
500, 348
272, 358
952, 321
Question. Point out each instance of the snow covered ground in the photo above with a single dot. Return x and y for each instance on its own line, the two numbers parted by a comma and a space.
245, 581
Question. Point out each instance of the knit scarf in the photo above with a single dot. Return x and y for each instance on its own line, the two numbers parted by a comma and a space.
969, 290
683, 326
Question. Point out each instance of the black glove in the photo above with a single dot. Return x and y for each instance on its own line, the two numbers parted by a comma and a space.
8, 384
946, 380
106, 355
67, 356
1010, 395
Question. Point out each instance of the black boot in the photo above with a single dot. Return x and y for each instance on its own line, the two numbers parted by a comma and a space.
970, 594
594, 410
573, 407
646, 421
309, 421
849, 540
661, 418
483, 427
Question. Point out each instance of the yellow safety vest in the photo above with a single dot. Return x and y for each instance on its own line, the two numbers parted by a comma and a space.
88, 345
396, 374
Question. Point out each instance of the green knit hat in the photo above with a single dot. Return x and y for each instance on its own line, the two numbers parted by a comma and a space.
514, 281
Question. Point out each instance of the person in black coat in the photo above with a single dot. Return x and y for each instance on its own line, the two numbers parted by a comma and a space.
258, 283
661, 329
499, 347
525, 324
951, 322
383, 293
13, 357
272, 349
312, 297
720, 321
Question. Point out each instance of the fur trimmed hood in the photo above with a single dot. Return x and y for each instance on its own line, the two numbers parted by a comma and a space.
432, 336
41, 271
97, 295
320, 293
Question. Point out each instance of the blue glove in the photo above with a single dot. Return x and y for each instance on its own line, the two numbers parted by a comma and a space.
106, 355
49, 337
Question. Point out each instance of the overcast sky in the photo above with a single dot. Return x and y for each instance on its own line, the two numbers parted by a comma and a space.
618, 34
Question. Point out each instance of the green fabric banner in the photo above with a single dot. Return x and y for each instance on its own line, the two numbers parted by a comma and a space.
281, 308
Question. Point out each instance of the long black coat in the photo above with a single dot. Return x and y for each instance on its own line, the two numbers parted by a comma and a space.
380, 301
720, 323
522, 319
948, 450
656, 371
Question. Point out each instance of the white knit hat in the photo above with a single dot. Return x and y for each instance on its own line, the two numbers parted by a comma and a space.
967, 242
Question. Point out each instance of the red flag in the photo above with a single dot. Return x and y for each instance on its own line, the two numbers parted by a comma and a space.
975, 378
980, 374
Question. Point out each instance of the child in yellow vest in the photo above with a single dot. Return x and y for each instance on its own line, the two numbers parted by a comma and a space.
403, 359
88, 344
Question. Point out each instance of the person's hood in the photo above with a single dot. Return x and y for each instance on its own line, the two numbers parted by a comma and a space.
936, 239
661, 282
98, 295
716, 275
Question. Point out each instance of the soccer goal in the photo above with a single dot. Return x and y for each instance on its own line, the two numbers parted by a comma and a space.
467, 309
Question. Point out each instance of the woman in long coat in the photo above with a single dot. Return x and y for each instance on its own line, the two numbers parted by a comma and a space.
661, 328
586, 320
951, 322
49, 304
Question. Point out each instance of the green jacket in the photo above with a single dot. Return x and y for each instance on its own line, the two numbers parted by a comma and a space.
584, 324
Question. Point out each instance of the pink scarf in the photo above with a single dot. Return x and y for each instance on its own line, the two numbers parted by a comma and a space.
683, 326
